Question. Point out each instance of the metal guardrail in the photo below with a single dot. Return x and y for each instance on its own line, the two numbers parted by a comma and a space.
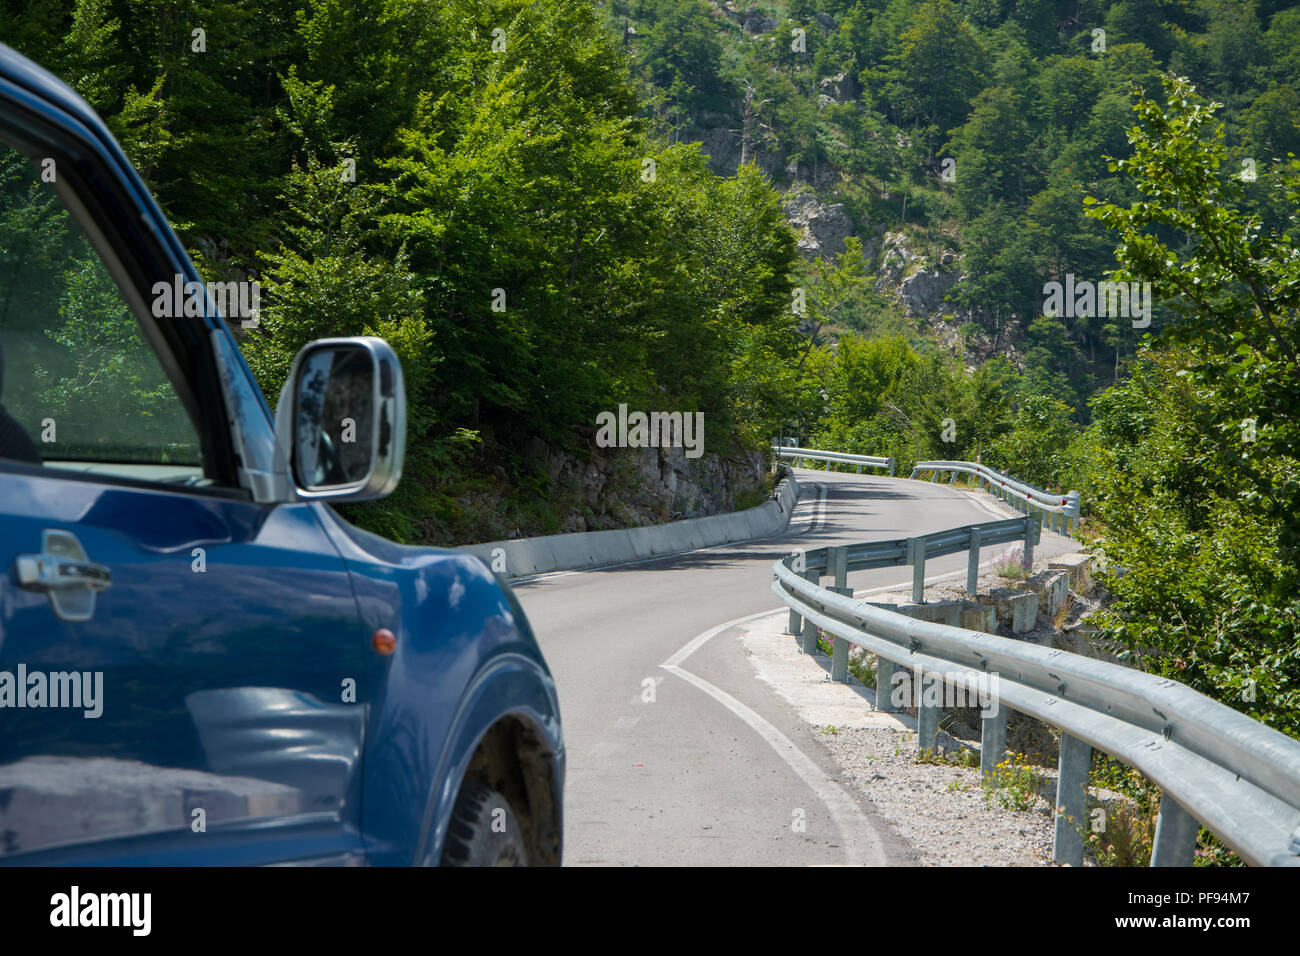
915, 551
1060, 512
1215, 766
814, 454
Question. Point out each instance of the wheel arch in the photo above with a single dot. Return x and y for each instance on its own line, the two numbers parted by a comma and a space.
507, 737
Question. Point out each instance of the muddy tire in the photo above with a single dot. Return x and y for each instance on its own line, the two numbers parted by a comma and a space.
483, 830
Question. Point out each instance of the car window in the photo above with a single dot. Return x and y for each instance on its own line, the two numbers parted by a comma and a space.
80, 386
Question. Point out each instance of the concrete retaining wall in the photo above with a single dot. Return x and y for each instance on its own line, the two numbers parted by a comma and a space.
589, 549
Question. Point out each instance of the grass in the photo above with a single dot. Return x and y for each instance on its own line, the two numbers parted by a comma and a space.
1013, 784
962, 757
1122, 831
1063, 614
1011, 565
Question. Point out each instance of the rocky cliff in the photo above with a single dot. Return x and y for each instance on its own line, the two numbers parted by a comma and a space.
626, 488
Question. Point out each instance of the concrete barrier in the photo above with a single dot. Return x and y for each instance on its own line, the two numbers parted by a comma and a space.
591, 549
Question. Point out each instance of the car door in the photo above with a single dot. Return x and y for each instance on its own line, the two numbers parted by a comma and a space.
182, 668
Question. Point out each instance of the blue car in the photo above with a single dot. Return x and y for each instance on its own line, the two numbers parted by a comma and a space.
201, 663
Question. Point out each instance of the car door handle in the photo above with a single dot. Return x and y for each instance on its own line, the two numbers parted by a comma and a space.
47, 572
65, 572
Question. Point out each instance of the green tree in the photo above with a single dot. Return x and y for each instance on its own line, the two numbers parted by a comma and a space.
1205, 521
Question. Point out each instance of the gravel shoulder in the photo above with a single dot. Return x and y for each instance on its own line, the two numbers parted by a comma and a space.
939, 809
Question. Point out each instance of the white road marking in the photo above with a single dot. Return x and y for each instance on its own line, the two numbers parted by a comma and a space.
819, 510
978, 499
696, 643
861, 843
854, 828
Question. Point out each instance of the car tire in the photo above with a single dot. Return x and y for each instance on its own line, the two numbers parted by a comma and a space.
473, 840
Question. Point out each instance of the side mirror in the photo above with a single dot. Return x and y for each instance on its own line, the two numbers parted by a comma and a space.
340, 428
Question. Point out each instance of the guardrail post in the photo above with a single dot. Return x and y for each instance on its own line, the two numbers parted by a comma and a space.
1176, 831
809, 637
916, 558
891, 468
927, 717
837, 565
885, 670
840, 660
1071, 779
1031, 537
795, 625
840, 645
993, 740
973, 563
952, 480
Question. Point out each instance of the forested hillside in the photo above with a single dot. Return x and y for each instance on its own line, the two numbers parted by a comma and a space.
472, 181
972, 128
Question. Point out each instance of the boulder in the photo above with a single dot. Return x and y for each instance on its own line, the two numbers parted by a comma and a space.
982, 617
1053, 589
1018, 610
937, 612
1079, 567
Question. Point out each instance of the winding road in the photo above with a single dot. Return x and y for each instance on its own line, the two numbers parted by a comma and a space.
677, 754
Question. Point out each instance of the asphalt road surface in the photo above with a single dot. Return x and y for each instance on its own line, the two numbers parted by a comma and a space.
677, 754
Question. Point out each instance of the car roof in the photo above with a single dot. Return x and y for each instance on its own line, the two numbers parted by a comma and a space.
22, 72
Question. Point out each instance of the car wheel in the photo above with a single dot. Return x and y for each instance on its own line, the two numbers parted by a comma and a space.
483, 830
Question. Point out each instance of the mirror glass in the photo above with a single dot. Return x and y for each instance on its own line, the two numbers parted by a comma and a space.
334, 416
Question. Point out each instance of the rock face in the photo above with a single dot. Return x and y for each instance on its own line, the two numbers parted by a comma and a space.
923, 292
839, 88
896, 258
822, 228
919, 288
631, 487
